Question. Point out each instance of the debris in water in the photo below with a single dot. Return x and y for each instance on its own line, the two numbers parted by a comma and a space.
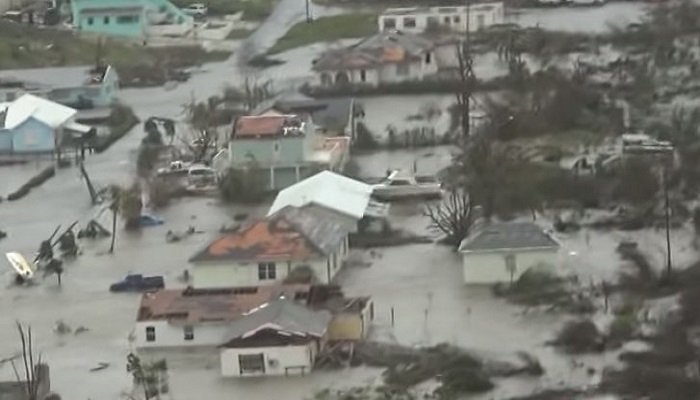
100, 367
62, 328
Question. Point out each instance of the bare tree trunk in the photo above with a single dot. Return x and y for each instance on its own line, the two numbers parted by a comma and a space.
114, 230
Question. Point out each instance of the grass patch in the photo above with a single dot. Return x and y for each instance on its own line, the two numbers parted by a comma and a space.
337, 27
23, 46
239, 33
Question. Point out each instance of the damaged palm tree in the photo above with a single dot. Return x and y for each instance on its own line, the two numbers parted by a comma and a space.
451, 217
203, 117
151, 377
31, 373
126, 202
467, 81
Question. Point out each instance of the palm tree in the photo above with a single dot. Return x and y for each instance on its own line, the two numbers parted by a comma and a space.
126, 202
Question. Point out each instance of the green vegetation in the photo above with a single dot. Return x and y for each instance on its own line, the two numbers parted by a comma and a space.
337, 27
23, 46
239, 33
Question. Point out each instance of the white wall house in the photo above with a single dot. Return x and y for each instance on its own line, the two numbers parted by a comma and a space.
268, 250
419, 19
274, 360
503, 252
387, 57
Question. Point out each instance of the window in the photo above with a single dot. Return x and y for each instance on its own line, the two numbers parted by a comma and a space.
363, 75
447, 20
455, 19
433, 22
389, 23
511, 267
409, 22
188, 330
276, 147
106, 20
428, 57
251, 363
150, 334
127, 19
402, 69
90, 21
480, 21
267, 271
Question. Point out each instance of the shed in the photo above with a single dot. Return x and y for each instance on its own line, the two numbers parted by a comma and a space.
502, 252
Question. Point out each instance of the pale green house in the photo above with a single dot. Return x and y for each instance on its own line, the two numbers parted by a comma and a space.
285, 148
130, 18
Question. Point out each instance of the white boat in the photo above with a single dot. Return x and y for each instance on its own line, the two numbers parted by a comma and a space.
20, 265
401, 185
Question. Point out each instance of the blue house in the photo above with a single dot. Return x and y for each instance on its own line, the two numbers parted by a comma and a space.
130, 18
77, 87
32, 125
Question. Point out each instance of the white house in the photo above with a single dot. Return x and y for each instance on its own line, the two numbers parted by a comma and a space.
279, 337
268, 250
332, 195
502, 252
419, 19
387, 57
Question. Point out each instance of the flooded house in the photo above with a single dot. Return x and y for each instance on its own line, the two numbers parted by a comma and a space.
502, 252
291, 243
81, 87
257, 330
32, 126
455, 18
283, 148
387, 57
132, 18
333, 196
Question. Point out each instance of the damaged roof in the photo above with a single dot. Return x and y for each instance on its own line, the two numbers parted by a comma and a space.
290, 234
284, 315
259, 126
509, 236
202, 305
388, 47
328, 114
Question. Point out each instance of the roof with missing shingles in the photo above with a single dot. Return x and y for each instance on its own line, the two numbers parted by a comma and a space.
509, 236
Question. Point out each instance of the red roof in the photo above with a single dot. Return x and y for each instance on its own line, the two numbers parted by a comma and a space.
264, 125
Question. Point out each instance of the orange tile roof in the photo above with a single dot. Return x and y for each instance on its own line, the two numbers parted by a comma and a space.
261, 125
264, 240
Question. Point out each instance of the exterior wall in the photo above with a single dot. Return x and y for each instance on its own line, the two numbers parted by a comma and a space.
106, 22
351, 326
480, 16
5, 141
490, 267
213, 275
282, 360
33, 136
172, 335
281, 151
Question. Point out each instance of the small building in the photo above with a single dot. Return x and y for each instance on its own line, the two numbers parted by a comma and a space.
284, 148
280, 337
387, 57
330, 195
502, 252
31, 125
268, 250
77, 87
130, 18
421, 19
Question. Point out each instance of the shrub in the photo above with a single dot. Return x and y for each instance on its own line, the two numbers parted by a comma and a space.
365, 139
580, 337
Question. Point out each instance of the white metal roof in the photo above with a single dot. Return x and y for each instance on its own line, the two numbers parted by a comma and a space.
46, 111
329, 190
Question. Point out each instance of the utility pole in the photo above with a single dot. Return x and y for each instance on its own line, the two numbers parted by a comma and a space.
466, 75
308, 11
668, 225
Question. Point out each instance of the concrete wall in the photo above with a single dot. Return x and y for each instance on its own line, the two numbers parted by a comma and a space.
217, 274
454, 18
281, 360
173, 335
490, 267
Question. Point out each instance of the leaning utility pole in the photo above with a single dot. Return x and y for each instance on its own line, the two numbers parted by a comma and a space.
466, 76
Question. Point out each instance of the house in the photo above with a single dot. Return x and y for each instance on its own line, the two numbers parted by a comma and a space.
331, 117
77, 87
277, 338
32, 125
502, 252
130, 18
330, 195
420, 19
284, 148
387, 57
177, 318
268, 250
17, 390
